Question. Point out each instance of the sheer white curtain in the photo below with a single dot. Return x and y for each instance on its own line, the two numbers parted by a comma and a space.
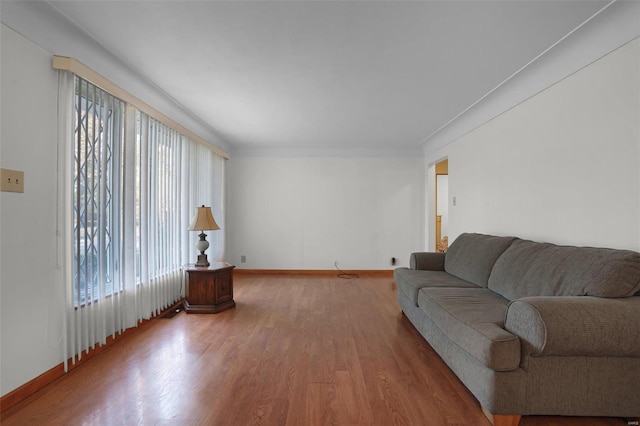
203, 183
218, 240
91, 136
64, 197
160, 221
128, 186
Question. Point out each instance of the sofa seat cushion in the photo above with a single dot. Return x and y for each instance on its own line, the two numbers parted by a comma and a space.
530, 269
471, 256
473, 318
410, 281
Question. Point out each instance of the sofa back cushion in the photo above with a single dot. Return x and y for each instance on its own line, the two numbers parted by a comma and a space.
472, 256
528, 269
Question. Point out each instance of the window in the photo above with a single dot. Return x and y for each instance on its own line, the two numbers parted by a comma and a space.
131, 185
159, 209
97, 173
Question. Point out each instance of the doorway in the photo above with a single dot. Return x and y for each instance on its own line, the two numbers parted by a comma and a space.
442, 206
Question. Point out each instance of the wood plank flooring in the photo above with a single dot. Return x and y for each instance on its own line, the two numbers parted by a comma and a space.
296, 350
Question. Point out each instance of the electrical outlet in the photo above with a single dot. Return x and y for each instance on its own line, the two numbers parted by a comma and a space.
12, 180
243, 259
393, 260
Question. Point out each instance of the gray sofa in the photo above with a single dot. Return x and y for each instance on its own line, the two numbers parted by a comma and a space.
531, 328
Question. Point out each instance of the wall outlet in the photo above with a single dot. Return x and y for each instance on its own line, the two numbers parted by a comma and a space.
393, 260
243, 259
12, 180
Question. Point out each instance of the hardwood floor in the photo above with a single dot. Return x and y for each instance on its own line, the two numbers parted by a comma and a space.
296, 350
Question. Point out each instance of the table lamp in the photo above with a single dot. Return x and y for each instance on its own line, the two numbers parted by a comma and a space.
203, 221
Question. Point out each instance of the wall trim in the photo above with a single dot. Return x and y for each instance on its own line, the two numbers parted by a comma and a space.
612, 27
13, 398
18, 395
368, 272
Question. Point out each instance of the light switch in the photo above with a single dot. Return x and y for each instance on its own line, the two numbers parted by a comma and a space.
12, 180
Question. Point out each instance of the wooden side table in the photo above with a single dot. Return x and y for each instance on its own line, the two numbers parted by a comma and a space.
208, 290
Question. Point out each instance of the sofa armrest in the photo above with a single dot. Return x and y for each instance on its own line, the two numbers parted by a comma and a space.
576, 325
427, 261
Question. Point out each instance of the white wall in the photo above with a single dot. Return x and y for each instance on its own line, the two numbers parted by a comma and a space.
563, 166
617, 24
31, 304
40, 22
31, 289
305, 213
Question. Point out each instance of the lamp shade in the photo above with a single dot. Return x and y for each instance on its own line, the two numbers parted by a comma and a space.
203, 220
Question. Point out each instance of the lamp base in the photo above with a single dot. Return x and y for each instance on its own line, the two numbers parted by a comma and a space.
202, 245
202, 260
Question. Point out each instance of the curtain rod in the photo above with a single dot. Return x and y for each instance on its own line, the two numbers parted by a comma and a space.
64, 63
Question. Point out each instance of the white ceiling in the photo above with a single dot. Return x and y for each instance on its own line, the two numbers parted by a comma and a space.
327, 73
